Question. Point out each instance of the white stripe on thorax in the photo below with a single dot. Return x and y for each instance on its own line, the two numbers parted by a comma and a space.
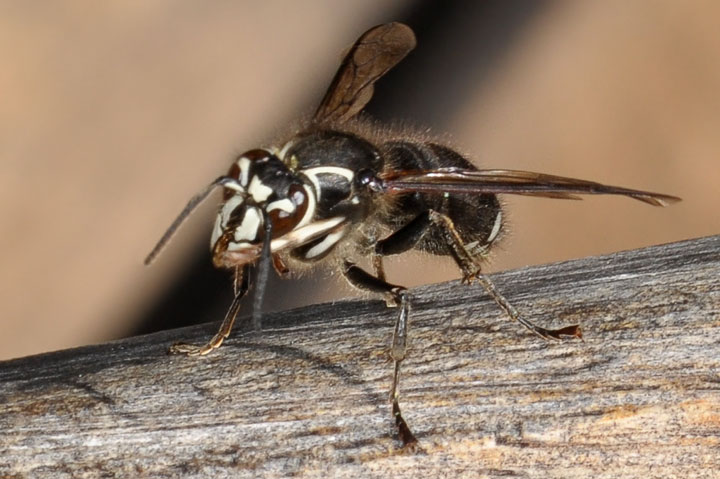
312, 174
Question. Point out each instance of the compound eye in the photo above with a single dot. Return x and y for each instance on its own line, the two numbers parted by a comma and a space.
233, 172
286, 213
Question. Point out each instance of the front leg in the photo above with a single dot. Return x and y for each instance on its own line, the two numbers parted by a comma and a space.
241, 284
400, 296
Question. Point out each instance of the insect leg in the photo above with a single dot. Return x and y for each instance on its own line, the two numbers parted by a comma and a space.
405, 238
280, 267
378, 266
400, 241
365, 281
241, 285
471, 272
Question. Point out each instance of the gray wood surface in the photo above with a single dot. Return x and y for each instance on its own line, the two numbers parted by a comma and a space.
640, 397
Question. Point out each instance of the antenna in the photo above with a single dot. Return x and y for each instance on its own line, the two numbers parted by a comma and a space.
192, 204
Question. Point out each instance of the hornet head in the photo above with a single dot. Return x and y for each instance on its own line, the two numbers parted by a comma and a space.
259, 189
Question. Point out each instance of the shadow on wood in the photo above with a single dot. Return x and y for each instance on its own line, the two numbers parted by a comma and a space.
308, 395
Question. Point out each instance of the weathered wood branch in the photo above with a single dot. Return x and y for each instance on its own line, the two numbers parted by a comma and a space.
308, 396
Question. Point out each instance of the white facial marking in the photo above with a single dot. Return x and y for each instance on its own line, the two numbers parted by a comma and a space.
229, 206
495, 228
223, 216
258, 190
285, 204
244, 165
217, 231
327, 243
234, 185
239, 246
248, 229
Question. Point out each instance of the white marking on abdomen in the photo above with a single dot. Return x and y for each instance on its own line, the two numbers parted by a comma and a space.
495, 228
328, 242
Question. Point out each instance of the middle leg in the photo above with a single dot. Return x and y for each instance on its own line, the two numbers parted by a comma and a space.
400, 297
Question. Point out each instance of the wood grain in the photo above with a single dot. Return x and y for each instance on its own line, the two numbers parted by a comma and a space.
640, 397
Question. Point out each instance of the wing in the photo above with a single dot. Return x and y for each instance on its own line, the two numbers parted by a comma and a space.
456, 180
373, 54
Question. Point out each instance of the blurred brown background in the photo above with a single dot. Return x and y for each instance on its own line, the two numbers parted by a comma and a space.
112, 114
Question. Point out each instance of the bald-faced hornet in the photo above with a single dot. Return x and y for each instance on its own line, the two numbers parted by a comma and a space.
340, 188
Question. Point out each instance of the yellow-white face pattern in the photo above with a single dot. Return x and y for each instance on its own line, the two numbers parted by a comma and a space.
265, 188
